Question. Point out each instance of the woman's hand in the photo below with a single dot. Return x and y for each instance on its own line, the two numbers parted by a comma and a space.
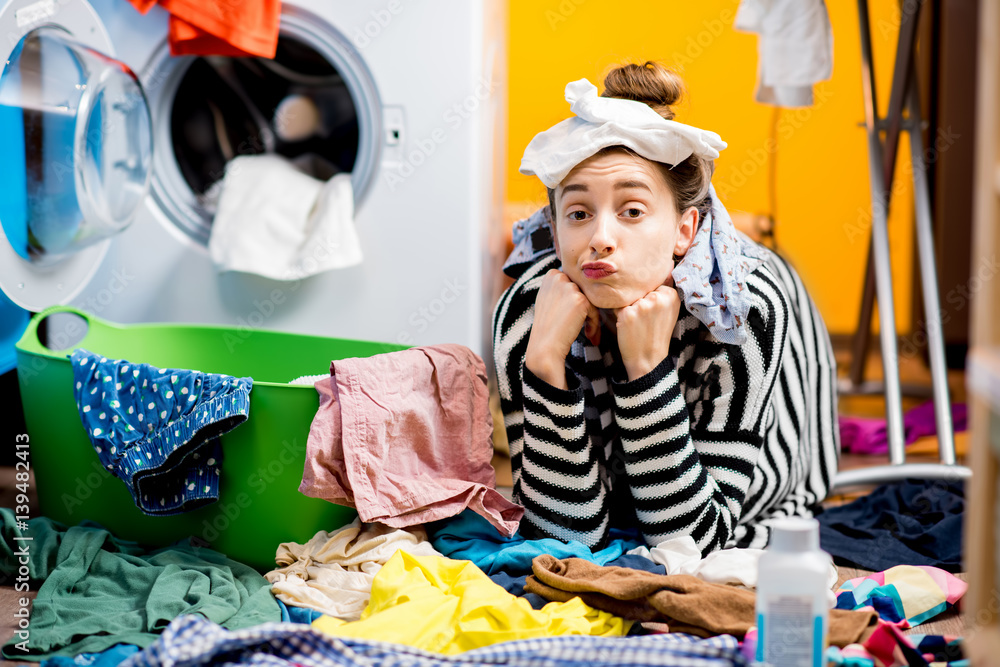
561, 310
645, 328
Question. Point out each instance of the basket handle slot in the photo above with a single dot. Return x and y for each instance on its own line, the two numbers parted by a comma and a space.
61, 328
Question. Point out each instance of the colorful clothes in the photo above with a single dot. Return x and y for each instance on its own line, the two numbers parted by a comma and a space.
190, 641
157, 428
450, 606
332, 573
903, 596
914, 593
468, 536
889, 647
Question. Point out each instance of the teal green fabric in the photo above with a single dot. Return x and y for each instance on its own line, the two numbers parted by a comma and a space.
97, 590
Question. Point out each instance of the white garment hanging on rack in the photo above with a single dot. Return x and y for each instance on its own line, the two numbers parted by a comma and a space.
795, 47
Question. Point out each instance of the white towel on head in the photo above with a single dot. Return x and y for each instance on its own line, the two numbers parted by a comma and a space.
275, 221
607, 121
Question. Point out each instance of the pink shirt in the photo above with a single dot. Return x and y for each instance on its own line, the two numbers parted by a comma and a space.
406, 438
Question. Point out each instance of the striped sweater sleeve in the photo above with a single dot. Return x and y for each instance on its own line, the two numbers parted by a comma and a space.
553, 460
690, 458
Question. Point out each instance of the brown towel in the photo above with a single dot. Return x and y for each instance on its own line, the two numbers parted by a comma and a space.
686, 603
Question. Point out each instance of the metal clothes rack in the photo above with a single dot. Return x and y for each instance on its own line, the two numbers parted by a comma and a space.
878, 278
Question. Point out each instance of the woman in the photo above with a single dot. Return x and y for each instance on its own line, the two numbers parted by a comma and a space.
656, 368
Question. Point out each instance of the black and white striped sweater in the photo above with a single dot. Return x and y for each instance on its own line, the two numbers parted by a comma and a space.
713, 443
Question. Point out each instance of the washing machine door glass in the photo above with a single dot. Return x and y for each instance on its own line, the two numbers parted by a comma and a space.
77, 146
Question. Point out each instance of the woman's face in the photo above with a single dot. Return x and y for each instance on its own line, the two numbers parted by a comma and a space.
617, 228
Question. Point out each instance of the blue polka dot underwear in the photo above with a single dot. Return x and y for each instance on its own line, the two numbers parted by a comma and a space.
158, 429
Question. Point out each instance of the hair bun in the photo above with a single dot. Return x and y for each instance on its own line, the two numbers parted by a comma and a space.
651, 83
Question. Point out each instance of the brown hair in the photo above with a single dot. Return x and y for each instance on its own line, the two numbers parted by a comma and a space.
660, 88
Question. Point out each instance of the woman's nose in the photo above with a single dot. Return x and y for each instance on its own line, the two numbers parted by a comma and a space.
602, 241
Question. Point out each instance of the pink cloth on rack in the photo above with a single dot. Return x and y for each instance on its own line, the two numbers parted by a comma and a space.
867, 435
863, 435
406, 438
919, 421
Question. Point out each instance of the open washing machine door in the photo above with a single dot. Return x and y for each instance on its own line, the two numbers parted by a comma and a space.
77, 149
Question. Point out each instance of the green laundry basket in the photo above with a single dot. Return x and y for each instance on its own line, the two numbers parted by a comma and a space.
259, 503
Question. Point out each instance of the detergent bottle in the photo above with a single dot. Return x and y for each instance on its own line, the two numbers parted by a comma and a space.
792, 597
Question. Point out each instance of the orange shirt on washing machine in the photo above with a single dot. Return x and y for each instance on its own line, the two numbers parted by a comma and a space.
220, 27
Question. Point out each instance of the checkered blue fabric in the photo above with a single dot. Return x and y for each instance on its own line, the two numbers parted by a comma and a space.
191, 641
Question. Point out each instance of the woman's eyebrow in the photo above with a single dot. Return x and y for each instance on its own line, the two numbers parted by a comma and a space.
575, 187
630, 185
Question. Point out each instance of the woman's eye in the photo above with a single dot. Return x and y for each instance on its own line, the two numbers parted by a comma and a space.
633, 213
578, 215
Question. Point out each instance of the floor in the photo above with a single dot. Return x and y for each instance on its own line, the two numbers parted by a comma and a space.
911, 369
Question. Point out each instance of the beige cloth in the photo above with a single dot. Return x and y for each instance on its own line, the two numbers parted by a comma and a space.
332, 573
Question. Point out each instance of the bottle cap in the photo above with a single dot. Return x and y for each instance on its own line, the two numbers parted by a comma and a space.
794, 534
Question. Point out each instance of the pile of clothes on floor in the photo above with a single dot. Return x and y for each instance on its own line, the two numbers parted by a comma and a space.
433, 570
452, 591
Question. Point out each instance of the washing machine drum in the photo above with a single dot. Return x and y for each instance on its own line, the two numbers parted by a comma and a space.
296, 105
314, 103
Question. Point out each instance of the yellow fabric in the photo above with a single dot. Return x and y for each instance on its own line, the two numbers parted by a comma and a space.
449, 606
917, 589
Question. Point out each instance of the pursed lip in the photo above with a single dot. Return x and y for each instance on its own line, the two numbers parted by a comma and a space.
595, 270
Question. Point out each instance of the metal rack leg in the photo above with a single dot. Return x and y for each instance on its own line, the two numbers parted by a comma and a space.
880, 251
881, 159
928, 276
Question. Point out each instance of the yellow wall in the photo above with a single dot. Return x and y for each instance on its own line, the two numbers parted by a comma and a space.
822, 183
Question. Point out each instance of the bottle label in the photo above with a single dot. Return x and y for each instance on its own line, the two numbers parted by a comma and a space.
789, 634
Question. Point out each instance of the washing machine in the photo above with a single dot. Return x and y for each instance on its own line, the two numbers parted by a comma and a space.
112, 147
